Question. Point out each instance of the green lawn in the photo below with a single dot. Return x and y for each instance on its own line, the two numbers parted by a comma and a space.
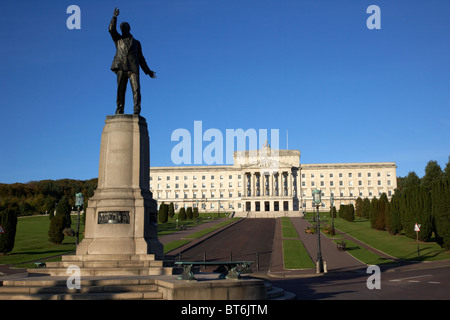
287, 228
364, 255
32, 243
286, 222
398, 246
174, 244
295, 255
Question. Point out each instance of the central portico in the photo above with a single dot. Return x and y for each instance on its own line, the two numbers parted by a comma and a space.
270, 179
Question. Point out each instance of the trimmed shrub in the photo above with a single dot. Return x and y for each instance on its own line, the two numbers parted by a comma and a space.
195, 213
189, 214
182, 214
347, 212
171, 210
163, 213
55, 231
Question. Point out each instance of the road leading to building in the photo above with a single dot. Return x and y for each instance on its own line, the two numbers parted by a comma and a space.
241, 241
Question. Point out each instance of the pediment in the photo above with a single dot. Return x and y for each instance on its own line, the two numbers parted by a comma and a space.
269, 164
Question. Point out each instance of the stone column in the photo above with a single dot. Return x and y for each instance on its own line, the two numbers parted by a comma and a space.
248, 184
253, 184
291, 184
271, 176
282, 180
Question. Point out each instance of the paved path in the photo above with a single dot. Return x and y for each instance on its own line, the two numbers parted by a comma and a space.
241, 241
336, 261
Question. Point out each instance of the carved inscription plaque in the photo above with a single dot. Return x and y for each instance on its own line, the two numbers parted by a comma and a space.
114, 217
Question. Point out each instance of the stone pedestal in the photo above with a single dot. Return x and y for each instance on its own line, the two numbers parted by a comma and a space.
121, 217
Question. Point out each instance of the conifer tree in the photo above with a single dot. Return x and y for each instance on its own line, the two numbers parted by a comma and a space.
392, 218
163, 213
382, 209
171, 210
182, 214
63, 208
412, 179
8, 221
189, 214
433, 172
440, 196
416, 208
366, 208
446, 174
55, 231
359, 207
373, 212
195, 213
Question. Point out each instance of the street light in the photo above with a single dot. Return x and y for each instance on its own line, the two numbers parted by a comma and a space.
332, 215
218, 209
317, 201
78, 203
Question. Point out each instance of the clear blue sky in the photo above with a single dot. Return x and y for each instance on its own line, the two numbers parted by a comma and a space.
311, 68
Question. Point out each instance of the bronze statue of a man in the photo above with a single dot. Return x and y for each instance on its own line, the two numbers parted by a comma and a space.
126, 64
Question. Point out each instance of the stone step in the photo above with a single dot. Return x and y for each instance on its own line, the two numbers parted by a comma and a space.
105, 271
84, 296
106, 289
83, 289
109, 257
106, 263
62, 281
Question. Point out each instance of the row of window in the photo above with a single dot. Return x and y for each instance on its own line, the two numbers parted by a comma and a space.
304, 184
351, 193
212, 177
342, 183
194, 185
350, 175
222, 194
230, 177
212, 195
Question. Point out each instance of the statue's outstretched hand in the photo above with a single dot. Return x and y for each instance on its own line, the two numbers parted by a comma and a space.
152, 74
116, 12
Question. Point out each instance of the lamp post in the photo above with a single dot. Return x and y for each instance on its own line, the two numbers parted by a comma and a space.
78, 203
317, 201
332, 215
218, 209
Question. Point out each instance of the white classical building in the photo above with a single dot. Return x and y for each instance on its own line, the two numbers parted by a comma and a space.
269, 181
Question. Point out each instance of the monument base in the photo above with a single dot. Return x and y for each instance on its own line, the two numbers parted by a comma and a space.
121, 217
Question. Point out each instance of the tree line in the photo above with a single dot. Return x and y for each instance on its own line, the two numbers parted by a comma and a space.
40, 197
53, 197
423, 201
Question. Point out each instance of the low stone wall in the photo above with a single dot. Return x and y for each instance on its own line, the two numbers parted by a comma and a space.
208, 287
